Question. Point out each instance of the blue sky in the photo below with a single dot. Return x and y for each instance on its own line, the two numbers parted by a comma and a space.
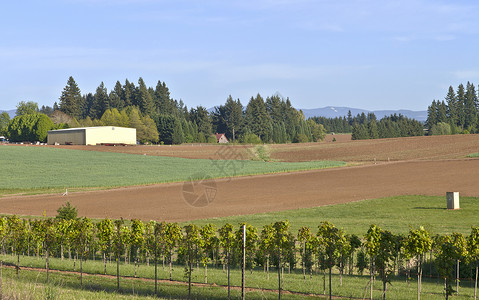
366, 54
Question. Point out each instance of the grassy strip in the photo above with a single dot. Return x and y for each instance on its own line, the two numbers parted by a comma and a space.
32, 285
39, 191
38, 169
396, 214
260, 287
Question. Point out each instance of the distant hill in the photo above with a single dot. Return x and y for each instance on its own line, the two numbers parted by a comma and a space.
333, 111
11, 113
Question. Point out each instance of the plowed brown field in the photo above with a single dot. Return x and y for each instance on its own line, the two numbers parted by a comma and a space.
396, 149
419, 165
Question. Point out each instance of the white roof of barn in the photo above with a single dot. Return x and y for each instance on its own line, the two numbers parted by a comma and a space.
85, 128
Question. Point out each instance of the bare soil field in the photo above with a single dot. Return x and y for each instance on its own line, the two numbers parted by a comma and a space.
344, 149
394, 149
265, 193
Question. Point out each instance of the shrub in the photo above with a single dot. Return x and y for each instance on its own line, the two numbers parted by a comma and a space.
212, 139
67, 212
30, 127
440, 128
250, 138
301, 138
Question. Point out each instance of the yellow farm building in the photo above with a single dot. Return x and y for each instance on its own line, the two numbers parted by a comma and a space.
92, 136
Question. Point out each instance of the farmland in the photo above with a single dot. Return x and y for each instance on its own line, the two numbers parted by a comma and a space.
394, 183
445, 168
40, 167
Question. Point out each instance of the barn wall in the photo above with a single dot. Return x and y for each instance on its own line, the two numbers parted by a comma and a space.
110, 134
74, 137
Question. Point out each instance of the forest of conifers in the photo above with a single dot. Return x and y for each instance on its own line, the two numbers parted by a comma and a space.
160, 119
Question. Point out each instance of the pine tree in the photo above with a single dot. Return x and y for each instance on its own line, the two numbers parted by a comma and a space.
373, 129
441, 111
201, 117
144, 100
116, 97
101, 102
470, 108
128, 95
257, 119
228, 118
461, 99
431, 115
451, 101
163, 102
71, 99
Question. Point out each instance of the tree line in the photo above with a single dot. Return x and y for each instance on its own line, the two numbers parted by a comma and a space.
368, 127
159, 118
381, 252
457, 113
336, 124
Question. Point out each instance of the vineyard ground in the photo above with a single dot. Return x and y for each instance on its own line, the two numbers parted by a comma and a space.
257, 283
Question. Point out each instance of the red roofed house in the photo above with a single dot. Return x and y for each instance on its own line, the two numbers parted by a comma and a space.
221, 138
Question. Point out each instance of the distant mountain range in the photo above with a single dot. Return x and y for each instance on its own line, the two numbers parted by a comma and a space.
11, 113
333, 111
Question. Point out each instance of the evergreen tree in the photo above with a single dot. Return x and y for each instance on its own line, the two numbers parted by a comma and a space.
228, 118
470, 108
273, 107
257, 119
163, 102
170, 129
128, 95
461, 99
373, 129
47, 110
116, 97
431, 115
71, 99
451, 106
101, 102
144, 100
360, 132
201, 117
441, 111
88, 101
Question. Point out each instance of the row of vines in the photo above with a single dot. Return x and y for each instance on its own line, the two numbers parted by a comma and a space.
328, 249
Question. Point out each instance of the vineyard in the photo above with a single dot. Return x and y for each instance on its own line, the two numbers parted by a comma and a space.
231, 260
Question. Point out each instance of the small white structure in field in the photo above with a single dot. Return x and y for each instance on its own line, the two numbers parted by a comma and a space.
452, 200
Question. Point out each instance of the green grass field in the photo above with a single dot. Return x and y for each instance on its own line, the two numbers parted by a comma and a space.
65, 285
396, 214
36, 168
